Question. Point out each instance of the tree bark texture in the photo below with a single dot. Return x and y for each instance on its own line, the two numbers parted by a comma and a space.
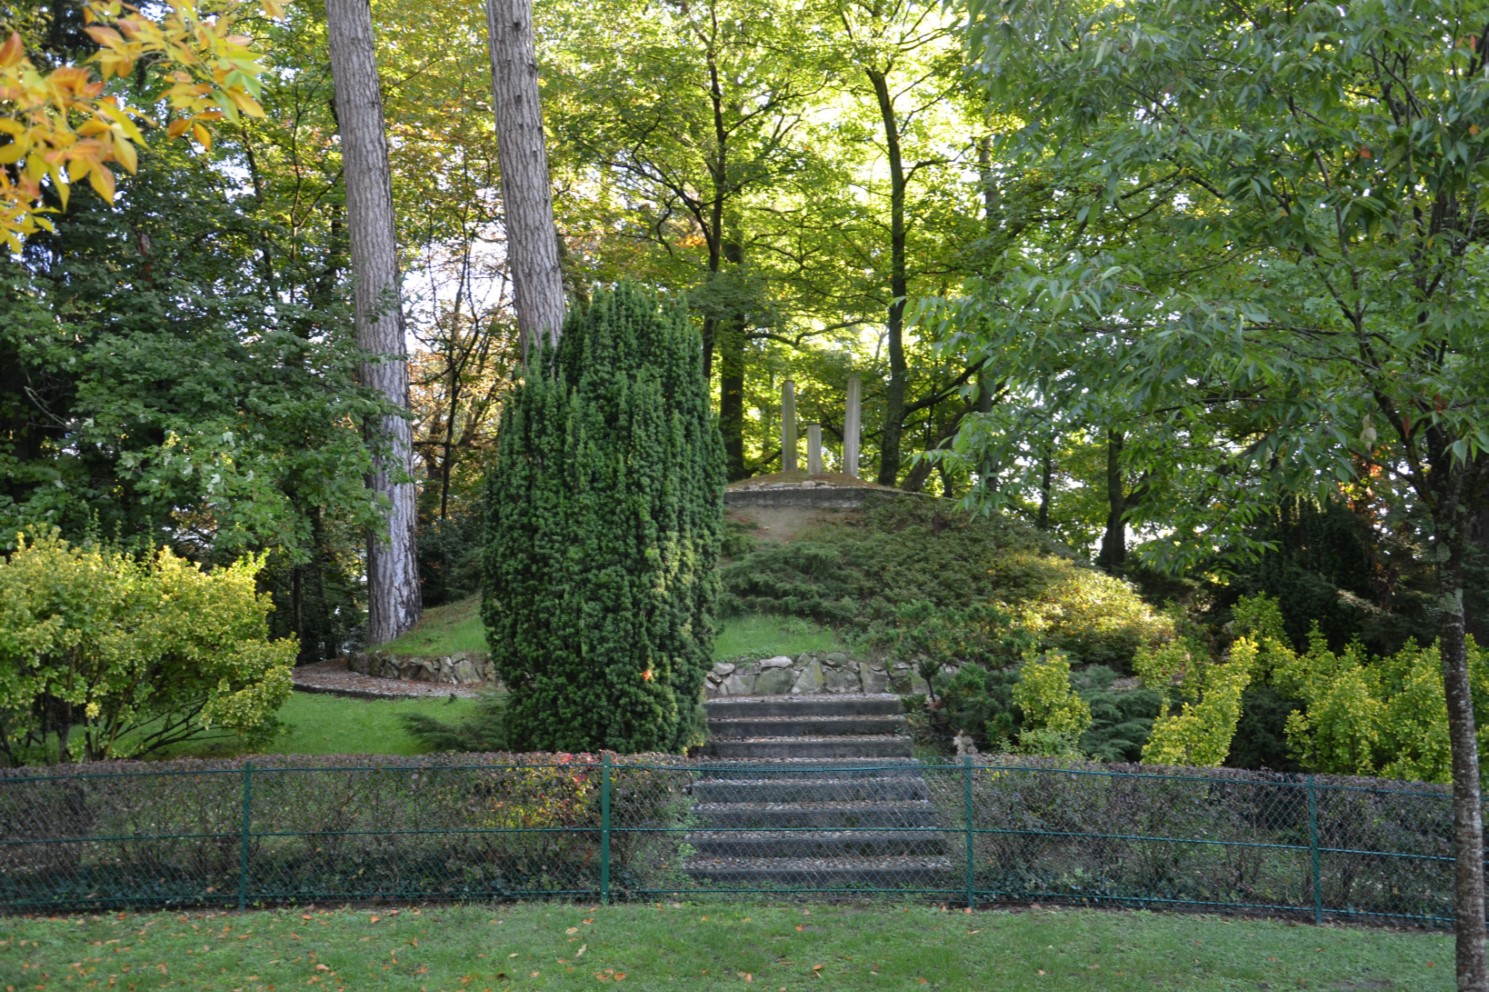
1451, 528
392, 571
522, 156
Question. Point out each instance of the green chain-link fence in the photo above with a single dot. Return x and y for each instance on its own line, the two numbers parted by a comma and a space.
489, 827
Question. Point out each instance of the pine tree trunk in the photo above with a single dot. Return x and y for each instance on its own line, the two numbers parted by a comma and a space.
393, 600
522, 155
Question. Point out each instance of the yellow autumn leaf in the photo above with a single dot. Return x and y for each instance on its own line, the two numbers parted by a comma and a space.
245, 103
202, 136
125, 154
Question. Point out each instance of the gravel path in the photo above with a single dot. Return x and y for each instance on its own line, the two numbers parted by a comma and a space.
335, 678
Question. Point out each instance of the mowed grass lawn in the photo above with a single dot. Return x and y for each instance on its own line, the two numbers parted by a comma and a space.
457, 627
315, 723
709, 946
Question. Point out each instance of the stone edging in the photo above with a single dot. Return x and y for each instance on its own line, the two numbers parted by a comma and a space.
807, 674
452, 669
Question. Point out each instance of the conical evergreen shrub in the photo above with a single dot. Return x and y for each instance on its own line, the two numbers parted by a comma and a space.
604, 512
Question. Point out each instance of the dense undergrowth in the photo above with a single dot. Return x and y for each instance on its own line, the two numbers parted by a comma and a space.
969, 601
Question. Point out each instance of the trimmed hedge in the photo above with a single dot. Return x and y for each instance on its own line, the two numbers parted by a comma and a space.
605, 509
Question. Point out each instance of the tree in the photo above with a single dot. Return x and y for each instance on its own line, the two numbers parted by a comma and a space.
392, 568
1296, 298
707, 135
63, 125
522, 150
604, 520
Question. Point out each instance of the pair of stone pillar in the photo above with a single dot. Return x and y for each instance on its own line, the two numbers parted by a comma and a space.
852, 423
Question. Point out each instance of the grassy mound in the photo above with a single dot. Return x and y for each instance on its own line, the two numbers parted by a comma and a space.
879, 572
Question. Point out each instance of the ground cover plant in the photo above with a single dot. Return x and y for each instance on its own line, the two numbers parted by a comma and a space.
737, 945
456, 627
958, 587
448, 629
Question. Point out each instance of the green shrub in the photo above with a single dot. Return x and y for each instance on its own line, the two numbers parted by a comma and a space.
483, 730
914, 577
104, 655
979, 703
1121, 719
1044, 695
1096, 618
1202, 731
604, 518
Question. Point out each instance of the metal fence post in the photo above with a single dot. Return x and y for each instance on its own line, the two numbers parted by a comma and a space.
605, 828
1313, 853
245, 825
967, 820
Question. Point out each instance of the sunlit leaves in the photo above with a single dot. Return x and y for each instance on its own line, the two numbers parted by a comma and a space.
65, 125
99, 645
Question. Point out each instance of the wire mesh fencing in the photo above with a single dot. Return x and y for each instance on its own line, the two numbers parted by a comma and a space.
601, 827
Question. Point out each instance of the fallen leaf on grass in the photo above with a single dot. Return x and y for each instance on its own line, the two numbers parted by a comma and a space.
745, 975
582, 949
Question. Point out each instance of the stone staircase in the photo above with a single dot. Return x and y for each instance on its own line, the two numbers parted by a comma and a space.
813, 793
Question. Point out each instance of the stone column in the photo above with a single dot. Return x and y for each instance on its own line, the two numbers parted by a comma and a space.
852, 420
814, 449
788, 426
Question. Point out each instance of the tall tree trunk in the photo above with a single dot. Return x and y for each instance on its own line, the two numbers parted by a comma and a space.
894, 406
392, 572
1451, 526
1113, 555
1046, 484
731, 345
522, 156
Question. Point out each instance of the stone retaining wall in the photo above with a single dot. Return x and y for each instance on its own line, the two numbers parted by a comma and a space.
816, 672
809, 495
452, 669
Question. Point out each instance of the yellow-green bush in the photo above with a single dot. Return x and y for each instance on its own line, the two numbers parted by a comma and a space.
1046, 698
1363, 715
1202, 731
1094, 617
107, 655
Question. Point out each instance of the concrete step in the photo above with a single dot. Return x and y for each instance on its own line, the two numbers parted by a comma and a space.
898, 783
870, 746
806, 726
828, 816
826, 873
845, 704
812, 843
